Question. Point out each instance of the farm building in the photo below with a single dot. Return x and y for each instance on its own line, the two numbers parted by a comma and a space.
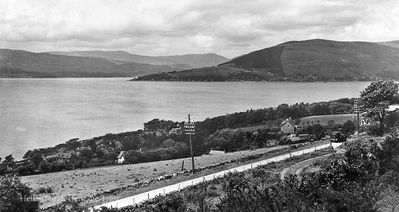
288, 126
60, 158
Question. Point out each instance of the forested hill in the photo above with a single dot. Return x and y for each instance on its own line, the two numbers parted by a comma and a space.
189, 60
310, 60
18, 63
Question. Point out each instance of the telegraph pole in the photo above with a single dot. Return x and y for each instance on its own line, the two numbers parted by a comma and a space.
189, 129
356, 111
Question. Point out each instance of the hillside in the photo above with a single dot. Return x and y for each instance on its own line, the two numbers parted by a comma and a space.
310, 60
196, 60
116, 57
391, 43
189, 60
18, 63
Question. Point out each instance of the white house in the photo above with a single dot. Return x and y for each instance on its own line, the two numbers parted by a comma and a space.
288, 126
216, 152
393, 108
121, 157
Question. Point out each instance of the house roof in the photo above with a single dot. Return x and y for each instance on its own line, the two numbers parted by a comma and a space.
290, 121
121, 154
65, 155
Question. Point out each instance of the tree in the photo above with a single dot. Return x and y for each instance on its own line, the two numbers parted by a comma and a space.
320, 109
45, 166
317, 131
377, 97
9, 159
15, 196
37, 158
348, 128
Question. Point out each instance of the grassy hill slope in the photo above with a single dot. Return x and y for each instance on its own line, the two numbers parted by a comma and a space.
312, 60
196, 60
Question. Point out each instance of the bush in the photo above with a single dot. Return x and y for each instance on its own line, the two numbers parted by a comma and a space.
373, 129
41, 190
49, 190
69, 204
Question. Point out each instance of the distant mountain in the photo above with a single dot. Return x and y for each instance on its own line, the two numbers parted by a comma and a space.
190, 60
310, 60
18, 63
117, 57
391, 43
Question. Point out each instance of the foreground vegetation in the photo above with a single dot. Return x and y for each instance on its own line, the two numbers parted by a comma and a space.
364, 179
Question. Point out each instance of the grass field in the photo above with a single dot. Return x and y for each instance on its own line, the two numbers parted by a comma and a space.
85, 182
323, 120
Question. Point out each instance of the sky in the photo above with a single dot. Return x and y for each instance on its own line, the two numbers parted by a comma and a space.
168, 27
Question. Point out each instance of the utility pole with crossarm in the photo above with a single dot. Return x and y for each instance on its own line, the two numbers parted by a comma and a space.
356, 111
189, 129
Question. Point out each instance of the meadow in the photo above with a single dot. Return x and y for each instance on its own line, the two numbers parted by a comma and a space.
85, 182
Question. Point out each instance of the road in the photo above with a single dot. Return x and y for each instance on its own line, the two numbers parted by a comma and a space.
139, 198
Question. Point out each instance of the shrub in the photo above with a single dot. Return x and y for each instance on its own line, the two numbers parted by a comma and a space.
41, 190
49, 190
69, 204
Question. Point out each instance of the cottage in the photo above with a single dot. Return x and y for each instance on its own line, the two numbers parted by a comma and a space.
393, 108
365, 121
288, 126
216, 152
60, 158
121, 157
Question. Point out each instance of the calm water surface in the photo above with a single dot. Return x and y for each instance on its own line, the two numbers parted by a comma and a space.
43, 112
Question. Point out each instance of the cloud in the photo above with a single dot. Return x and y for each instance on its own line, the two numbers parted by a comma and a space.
164, 27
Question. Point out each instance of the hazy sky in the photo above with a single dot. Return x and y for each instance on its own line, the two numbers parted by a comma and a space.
165, 27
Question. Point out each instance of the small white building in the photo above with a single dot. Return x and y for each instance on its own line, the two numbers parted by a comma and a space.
216, 152
121, 157
393, 108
